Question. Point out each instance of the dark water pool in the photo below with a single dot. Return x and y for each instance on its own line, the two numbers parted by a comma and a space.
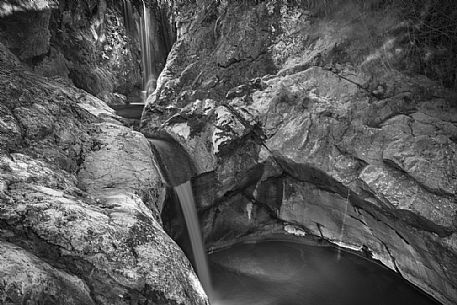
289, 273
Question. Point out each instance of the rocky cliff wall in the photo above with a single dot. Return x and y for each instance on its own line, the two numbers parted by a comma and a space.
79, 192
87, 43
319, 118
322, 119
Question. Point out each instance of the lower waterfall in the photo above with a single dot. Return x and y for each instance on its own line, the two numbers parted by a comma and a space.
186, 200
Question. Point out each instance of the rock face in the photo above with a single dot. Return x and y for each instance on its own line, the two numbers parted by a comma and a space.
25, 273
27, 32
79, 197
316, 117
332, 119
85, 43
100, 56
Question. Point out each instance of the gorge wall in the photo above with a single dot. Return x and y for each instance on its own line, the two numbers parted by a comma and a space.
335, 119
79, 191
319, 119
87, 43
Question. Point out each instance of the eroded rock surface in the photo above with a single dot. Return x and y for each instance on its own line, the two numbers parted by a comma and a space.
312, 117
24, 274
88, 44
79, 197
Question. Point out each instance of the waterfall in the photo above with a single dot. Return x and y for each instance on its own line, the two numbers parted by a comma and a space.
145, 30
186, 199
129, 22
176, 170
147, 27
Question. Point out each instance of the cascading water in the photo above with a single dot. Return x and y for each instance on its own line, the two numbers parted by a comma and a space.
147, 55
186, 199
176, 170
145, 28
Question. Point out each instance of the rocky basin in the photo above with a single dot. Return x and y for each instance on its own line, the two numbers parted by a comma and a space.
314, 118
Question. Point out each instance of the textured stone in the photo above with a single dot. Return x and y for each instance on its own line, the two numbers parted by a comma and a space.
119, 158
11, 6
79, 202
24, 28
396, 190
27, 279
432, 161
112, 239
316, 119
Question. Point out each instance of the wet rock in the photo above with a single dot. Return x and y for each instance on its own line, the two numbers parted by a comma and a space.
173, 162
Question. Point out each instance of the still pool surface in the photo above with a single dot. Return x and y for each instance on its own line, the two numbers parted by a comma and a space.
289, 273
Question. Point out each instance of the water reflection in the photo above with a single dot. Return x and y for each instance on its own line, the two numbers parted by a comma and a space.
288, 273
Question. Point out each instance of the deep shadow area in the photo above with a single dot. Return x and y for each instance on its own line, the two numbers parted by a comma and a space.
129, 111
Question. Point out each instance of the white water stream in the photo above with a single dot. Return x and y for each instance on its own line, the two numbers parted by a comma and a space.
186, 199
145, 29
146, 47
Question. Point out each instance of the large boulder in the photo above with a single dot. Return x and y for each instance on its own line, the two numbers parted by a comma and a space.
119, 158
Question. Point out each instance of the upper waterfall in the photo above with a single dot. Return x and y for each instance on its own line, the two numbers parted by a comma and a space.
147, 55
146, 27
